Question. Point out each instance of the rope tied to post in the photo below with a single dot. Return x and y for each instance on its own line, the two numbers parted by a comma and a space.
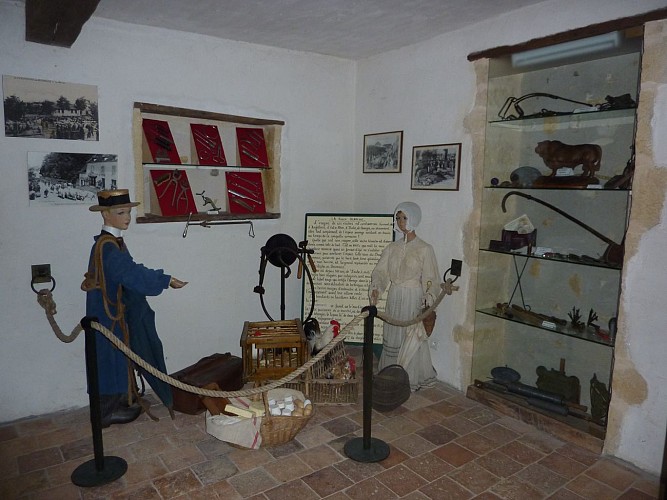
45, 299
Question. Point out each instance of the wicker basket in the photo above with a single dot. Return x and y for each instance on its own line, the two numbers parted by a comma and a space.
274, 429
279, 429
323, 390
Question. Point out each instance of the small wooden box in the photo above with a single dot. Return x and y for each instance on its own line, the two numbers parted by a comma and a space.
272, 349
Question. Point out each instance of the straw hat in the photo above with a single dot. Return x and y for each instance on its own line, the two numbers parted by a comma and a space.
116, 198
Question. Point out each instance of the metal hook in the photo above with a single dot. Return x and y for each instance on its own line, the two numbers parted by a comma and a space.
208, 224
51, 279
187, 225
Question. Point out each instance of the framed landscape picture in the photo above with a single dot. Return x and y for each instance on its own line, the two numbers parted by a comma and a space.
382, 152
436, 167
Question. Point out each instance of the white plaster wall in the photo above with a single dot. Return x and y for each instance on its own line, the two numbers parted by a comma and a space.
427, 90
638, 412
641, 435
312, 94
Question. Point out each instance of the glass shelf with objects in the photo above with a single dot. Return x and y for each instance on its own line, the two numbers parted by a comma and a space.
623, 116
543, 254
204, 166
561, 297
551, 324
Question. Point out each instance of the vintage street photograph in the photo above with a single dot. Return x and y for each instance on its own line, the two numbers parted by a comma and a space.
69, 178
382, 152
44, 109
436, 167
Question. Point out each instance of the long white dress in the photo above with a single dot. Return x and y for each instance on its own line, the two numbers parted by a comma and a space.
406, 268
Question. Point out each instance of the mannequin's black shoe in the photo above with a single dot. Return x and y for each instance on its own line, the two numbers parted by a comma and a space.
114, 410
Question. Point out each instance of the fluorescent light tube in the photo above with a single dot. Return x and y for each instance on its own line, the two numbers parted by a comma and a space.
567, 49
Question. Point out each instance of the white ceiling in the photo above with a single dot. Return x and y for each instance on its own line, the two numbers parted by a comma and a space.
351, 29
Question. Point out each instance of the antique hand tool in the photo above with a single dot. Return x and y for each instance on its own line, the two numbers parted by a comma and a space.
203, 138
256, 136
249, 153
250, 192
509, 378
240, 195
219, 156
181, 192
245, 179
242, 203
534, 317
613, 254
302, 249
309, 254
537, 402
512, 104
180, 185
162, 142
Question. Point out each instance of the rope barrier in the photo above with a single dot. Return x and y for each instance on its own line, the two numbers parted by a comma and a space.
446, 288
45, 300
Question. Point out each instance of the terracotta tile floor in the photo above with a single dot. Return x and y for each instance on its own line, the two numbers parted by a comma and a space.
442, 446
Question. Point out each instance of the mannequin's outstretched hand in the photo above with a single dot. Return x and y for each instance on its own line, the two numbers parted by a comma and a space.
176, 283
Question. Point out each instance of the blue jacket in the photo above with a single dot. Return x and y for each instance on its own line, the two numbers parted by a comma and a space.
137, 282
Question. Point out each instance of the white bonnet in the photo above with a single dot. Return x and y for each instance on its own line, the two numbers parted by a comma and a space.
413, 213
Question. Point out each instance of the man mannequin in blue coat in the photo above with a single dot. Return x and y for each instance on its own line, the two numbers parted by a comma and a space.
116, 289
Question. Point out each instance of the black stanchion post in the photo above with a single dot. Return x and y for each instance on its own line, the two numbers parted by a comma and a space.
367, 448
663, 474
100, 470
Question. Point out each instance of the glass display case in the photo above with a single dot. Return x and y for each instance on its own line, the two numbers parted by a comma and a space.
557, 191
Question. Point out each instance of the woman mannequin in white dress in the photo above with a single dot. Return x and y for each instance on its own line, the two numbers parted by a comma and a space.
408, 268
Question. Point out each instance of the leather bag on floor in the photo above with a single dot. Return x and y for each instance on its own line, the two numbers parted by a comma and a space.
225, 370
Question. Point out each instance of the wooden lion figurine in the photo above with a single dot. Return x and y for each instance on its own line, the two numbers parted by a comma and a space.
558, 155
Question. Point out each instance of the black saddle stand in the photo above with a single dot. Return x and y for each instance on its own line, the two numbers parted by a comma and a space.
100, 470
367, 448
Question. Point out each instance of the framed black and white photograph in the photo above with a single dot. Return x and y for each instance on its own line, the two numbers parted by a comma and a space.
44, 109
436, 167
69, 178
383, 152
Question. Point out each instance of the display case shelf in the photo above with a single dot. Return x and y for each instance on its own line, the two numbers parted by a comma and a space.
582, 432
570, 120
591, 187
192, 166
588, 334
206, 157
572, 259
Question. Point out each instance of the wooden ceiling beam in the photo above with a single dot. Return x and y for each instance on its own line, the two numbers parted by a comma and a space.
56, 22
